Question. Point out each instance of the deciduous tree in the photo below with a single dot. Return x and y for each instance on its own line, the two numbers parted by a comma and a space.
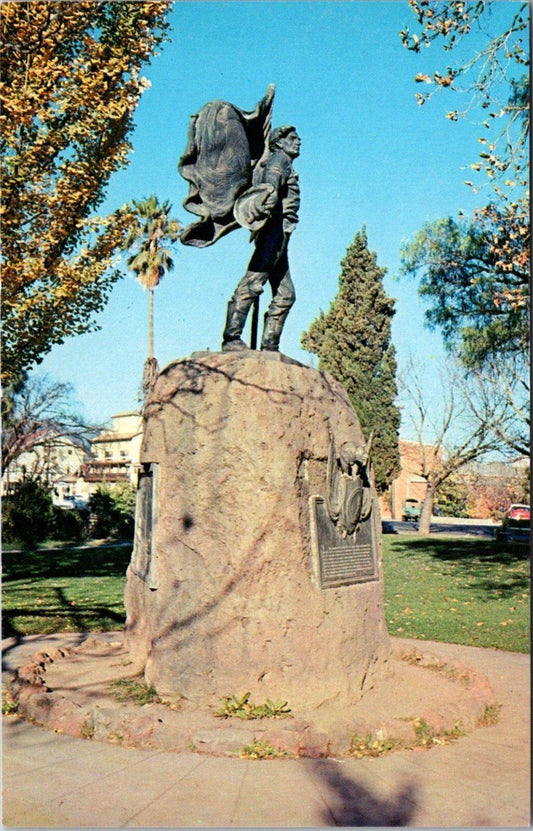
475, 272
477, 285
452, 429
70, 83
40, 413
492, 488
506, 389
353, 342
493, 77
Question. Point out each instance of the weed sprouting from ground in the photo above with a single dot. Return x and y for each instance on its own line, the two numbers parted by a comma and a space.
262, 750
425, 736
370, 746
243, 708
9, 707
490, 715
88, 727
134, 690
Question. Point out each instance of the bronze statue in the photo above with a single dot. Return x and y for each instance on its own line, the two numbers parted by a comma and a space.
240, 174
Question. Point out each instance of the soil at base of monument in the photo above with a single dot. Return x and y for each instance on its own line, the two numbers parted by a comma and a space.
419, 701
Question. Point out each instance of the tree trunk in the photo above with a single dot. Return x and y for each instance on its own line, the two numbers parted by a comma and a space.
427, 511
150, 324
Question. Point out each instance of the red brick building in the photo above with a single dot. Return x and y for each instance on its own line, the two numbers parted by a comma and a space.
410, 484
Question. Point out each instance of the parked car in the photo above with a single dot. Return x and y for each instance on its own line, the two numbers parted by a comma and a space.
519, 512
411, 510
515, 525
70, 501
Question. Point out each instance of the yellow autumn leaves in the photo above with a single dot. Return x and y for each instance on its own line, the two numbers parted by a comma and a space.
71, 79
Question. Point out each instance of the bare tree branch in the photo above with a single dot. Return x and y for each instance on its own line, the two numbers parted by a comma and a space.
41, 414
458, 428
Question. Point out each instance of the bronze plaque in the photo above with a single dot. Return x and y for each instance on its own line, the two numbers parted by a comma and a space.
143, 561
341, 561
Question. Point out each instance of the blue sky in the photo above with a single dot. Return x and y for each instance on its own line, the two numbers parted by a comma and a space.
370, 156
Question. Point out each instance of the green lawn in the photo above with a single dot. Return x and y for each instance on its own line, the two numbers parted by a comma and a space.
459, 590
64, 590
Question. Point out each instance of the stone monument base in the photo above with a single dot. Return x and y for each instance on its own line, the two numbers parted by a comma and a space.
227, 590
72, 689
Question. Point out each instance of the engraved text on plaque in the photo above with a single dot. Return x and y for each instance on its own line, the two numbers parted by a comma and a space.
338, 560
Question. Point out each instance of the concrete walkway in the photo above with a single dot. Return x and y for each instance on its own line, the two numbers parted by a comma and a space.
57, 781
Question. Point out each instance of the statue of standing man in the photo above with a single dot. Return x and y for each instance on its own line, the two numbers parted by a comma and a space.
240, 173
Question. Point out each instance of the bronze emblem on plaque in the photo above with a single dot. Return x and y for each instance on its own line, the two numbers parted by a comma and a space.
342, 534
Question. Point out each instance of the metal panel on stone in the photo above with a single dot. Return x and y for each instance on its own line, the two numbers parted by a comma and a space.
341, 561
144, 559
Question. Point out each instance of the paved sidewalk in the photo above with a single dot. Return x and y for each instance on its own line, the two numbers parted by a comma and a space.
482, 780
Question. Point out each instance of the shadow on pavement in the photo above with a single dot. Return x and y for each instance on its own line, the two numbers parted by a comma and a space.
353, 805
13, 657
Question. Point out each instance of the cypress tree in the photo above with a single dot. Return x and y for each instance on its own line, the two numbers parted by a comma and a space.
353, 343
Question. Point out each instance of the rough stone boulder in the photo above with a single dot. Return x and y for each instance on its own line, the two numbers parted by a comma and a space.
222, 593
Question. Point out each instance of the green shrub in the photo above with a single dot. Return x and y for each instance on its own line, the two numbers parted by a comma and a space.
124, 498
112, 511
452, 498
101, 512
72, 524
27, 514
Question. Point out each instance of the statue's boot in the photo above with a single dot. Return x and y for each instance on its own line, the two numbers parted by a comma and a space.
272, 332
235, 320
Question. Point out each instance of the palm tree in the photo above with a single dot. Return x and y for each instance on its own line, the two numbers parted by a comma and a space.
149, 237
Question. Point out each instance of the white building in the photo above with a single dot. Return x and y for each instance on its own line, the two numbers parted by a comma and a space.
75, 469
115, 453
52, 458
